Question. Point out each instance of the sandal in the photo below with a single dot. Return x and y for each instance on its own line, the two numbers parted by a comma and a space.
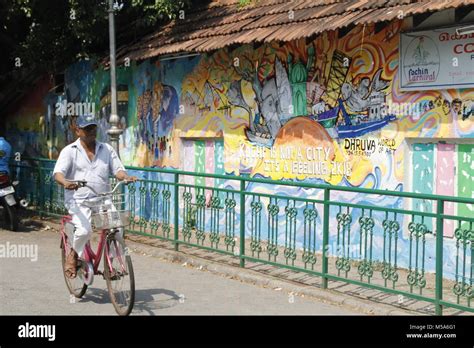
71, 265
71, 274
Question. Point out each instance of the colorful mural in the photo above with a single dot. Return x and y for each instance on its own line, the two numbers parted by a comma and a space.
327, 111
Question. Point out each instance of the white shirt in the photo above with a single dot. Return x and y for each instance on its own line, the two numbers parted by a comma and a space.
74, 163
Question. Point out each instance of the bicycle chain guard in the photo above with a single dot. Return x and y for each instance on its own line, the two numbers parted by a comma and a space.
87, 272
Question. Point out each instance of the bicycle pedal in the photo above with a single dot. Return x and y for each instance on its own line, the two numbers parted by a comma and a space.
119, 275
101, 274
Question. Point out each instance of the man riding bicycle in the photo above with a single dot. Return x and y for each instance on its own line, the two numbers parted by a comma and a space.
93, 161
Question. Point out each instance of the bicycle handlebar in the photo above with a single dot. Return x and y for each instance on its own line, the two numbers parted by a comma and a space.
83, 183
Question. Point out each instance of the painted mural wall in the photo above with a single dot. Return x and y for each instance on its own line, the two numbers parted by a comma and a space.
326, 111
25, 125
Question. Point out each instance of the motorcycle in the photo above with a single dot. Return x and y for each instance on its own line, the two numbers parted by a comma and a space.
9, 201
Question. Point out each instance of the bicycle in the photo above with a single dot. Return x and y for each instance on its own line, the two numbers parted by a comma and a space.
118, 266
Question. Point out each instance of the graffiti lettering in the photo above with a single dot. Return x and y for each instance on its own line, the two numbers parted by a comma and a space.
341, 168
367, 147
359, 144
273, 152
387, 142
315, 153
270, 166
286, 152
309, 168
252, 151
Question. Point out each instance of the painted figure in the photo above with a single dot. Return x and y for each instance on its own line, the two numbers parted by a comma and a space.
169, 109
366, 94
468, 110
420, 54
273, 104
457, 106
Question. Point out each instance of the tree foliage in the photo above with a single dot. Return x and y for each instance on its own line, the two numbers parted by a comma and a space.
50, 34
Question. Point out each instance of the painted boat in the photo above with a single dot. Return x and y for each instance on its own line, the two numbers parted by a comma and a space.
354, 131
262, 139
328, 118
350, 130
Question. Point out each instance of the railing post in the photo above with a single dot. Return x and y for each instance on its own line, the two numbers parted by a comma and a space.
242, 223
176, 212
439, 256
325, 236
39, 190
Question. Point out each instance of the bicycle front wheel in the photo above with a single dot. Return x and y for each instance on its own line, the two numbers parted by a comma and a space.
118, 273
75, 285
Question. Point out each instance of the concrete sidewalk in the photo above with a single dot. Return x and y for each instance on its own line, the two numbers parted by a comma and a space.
162, 287
165, 282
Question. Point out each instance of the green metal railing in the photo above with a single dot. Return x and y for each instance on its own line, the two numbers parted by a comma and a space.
293, 225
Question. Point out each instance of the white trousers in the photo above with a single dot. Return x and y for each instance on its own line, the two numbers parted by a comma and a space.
81, 219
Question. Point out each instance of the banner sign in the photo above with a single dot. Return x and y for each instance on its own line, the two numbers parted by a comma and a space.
436, 59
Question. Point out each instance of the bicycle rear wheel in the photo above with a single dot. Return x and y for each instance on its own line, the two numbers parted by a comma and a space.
118, 273
76, 285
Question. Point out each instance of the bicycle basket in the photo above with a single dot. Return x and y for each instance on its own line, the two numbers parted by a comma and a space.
110, 219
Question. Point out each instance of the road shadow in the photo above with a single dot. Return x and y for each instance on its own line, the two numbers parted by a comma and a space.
147, 301
27, 228
95, 295
26, 223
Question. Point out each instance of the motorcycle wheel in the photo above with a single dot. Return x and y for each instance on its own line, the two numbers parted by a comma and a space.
10, 217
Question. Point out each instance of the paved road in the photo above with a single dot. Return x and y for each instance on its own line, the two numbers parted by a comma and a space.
37, 287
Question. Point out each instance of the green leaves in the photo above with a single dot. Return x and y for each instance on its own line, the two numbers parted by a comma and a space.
50, 35
158, 10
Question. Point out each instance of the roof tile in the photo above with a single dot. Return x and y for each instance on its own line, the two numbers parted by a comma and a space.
223, 23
